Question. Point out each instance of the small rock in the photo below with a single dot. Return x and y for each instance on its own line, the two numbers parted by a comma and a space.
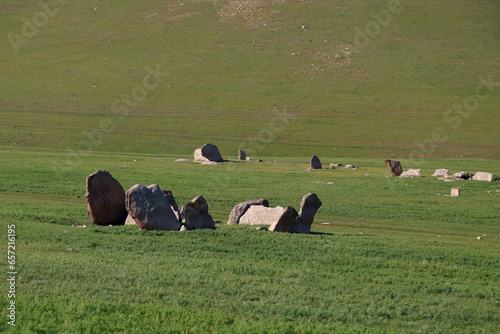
182, 160
482, 176
183, 228
411, 173
441, 172
209, 163
455, 192
261, 228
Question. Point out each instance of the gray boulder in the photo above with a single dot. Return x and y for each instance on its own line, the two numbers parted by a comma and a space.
286, 221
198, 156
241, 208
308, 207
441, 172
411, 173
394, 167
211, 152
105, 199
315, 163
261, 215
150, 209
196, 214
482, 176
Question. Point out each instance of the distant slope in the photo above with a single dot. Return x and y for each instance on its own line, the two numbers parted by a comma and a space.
351, 78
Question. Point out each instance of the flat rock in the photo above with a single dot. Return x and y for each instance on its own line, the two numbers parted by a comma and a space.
105, 199
394, 167
441, 172
411, 173
196, 214
308, 208
150, 209
261, 215
315, 163
482, 176
209, 163
286, 221
182, 160
241, 208
211, 152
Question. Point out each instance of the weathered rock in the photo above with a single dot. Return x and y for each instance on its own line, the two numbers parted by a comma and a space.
261, 215
351, 167
333, 166
286, 221
183, 228
455, 192
196, 214
209, 163
129, 220
411, 173
150, 209
198, 156
441, 172
170, 198
315, 163
211, 152
308, 207
482, 176
394, 167
241, 208
242, 155
105, 199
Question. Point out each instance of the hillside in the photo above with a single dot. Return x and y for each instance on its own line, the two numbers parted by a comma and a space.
277, 78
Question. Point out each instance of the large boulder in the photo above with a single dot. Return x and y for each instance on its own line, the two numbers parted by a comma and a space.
315, 163
196, 214
308, 207
286, 221
211, 152
198, 156
394, 167
261, 215
241, 208
482, 176
105, 199
150, 209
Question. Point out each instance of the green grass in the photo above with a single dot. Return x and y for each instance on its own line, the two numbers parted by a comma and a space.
226, 73
396, 256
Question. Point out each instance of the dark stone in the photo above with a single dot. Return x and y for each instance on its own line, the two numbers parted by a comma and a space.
315, 163
394, 167
211, 152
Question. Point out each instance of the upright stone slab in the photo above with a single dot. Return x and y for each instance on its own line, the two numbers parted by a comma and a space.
315, 163
150, 209
196, 214
308, 207
286, 221
394, 167
242, 155
261, 215
241, 208
105, 199
211, 152
455, 192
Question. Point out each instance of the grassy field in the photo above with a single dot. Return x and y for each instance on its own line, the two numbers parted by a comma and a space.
129, 87
398, 255
355, 78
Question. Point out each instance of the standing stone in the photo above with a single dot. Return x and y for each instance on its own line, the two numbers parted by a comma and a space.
196, 214
315, 163
241, 208
150, 209
482, 176
455, 192
308, 207
105, 199
242, 155
261, 215
394, 167
286, 221
211, 152
198, 157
